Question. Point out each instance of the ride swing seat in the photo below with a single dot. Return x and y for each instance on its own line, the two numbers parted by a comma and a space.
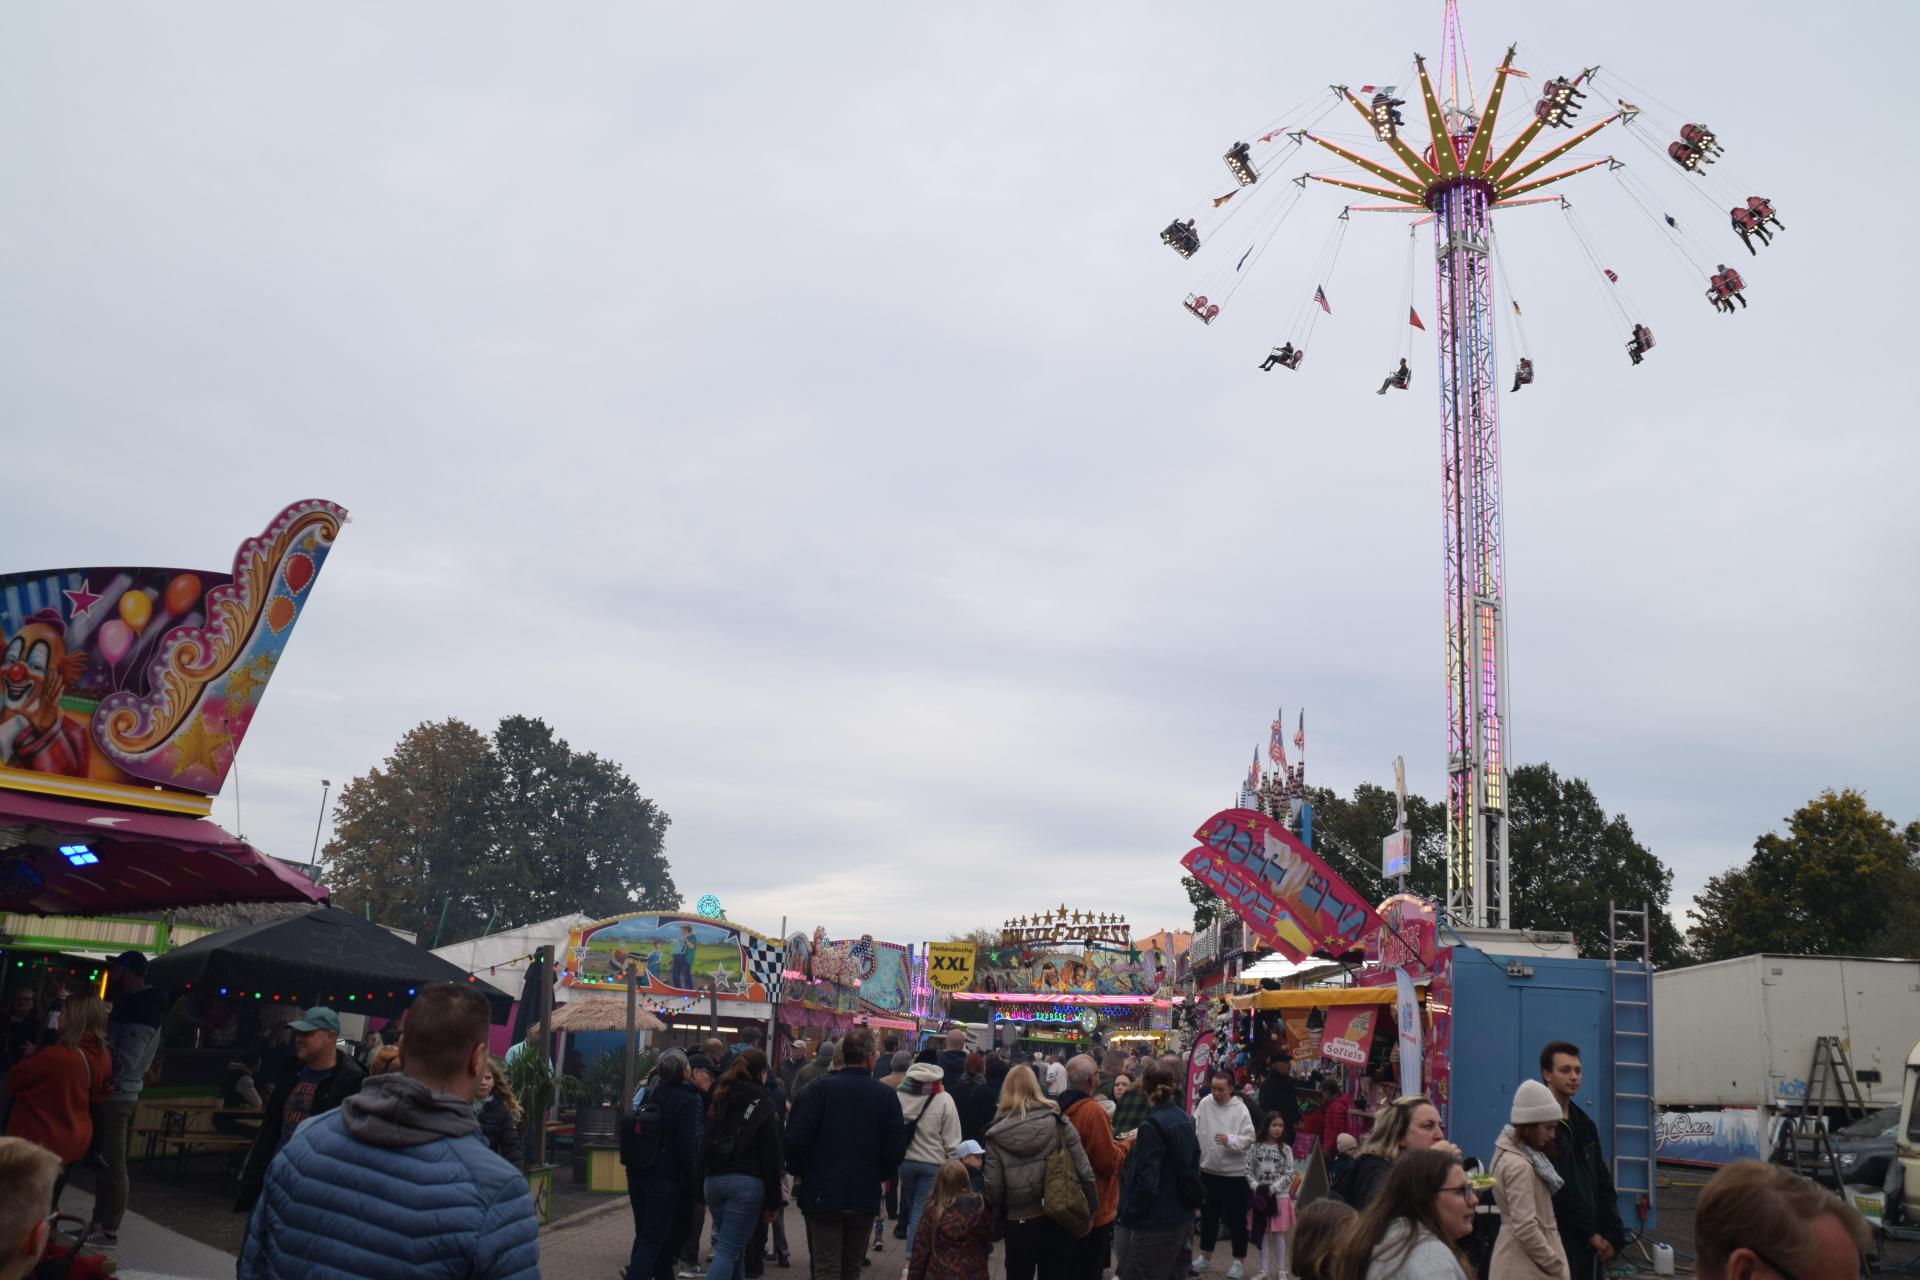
1702, 139
1182, 236
1688, 158
1197, 303
1287, 356
1523, 375
1640, 342
1239, 160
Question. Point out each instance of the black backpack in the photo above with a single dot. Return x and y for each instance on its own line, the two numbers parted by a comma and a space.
643, 1132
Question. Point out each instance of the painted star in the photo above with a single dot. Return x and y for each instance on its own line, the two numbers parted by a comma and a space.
83, 599
242, 684
264, 665
196, 746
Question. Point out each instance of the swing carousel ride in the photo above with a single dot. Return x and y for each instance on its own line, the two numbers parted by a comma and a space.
1479, 160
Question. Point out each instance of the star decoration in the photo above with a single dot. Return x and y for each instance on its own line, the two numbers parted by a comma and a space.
196, 747
263, 664
242, 684
83, 599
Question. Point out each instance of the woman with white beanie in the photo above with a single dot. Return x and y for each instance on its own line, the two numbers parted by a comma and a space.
933, 1131
1524, 1181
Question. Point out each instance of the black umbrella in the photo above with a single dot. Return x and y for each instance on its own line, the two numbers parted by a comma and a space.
325, 957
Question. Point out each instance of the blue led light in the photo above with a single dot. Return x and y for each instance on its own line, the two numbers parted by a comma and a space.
79, 855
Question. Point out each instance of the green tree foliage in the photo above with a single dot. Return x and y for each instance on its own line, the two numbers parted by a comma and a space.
1208, 906
506, 832
1843, 880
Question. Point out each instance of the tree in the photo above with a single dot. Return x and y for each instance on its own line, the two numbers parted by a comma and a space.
1347, 835
984, 938
1843, 880
1567, 859
416, 837
575, 832
1208, 906
457, 834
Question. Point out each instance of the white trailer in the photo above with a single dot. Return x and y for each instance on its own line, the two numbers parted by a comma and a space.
1734, 1041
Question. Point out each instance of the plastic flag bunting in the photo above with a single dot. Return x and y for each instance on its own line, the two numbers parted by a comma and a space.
1320, 296
1610, 275
1243, 258
1223, 199
1300, 735
1413, 318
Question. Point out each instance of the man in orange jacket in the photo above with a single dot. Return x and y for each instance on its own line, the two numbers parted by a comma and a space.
1105, 1154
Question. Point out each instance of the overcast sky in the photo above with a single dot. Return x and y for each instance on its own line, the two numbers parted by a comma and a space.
793, 403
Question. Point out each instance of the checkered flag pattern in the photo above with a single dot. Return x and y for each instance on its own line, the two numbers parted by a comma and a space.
766, 963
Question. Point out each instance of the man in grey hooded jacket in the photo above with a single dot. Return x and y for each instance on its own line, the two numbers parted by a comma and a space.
397, 1182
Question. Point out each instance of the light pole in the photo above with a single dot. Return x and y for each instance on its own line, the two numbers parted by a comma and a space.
319, 822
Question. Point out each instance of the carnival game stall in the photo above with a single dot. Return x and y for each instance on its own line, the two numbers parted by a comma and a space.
1459, 1017
1058, 977
699, 973
833, 986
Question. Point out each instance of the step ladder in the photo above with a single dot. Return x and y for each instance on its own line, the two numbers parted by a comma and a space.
1806, 1135
1630, 982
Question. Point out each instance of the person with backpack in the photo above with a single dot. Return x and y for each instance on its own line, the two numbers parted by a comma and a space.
933, 1131
740, 1161
1035, 1165
660, 1143
1160, 1186
954, 1240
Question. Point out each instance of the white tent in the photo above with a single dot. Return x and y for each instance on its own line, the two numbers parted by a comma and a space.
501, 958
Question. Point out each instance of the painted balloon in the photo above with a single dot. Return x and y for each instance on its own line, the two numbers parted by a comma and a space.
182, 593
136, 607
299, 573
280, 614
116, 637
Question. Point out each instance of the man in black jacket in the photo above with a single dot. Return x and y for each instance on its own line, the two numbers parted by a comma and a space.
322, 1077
846, 1137
1586, 1207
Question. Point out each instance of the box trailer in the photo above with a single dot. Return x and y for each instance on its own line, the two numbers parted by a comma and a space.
1734, 1042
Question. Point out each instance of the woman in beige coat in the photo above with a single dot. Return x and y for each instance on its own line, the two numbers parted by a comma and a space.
1524, 1181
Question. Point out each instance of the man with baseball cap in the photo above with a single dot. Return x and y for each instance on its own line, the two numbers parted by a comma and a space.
133, 1037
324, 1077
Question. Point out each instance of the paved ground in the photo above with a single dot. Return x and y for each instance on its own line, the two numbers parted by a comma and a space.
149, 1251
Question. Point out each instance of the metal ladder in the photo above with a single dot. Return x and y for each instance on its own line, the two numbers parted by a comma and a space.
1830, 1083
1630, 984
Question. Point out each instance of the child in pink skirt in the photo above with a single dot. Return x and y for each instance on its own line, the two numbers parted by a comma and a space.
1270, 1208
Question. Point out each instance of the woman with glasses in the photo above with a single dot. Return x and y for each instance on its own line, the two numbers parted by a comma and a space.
1410, 1123
1524, 1182
1409, 1232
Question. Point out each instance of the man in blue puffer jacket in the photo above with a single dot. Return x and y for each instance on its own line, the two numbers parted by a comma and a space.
397, 1183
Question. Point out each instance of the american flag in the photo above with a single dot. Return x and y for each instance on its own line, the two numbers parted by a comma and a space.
1300, 734
1277, 742
1253, 774
1320, 296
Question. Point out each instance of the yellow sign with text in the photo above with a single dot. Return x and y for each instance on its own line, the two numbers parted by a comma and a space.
950, 965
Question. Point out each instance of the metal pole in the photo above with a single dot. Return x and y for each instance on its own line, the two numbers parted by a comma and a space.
713, 1008
319, 822
544, 958
437, 929
773, 1006
627, 1075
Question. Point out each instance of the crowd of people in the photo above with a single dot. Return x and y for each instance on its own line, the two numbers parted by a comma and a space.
1077, 1168
1071, 1167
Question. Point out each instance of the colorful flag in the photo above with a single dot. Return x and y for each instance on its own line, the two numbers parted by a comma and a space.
1253, 774
1524, 75
1320, 296
1277, 742
1610, 275
1516, 306
1269, 137
1413, 318
1243, 258
1223, 199
1379, 88
1300, 734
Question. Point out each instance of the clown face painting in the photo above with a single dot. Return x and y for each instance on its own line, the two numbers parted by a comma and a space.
34, 671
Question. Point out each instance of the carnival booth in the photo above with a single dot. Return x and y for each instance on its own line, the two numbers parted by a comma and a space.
1458, 1016
833, 986
699, 973
1058, 979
